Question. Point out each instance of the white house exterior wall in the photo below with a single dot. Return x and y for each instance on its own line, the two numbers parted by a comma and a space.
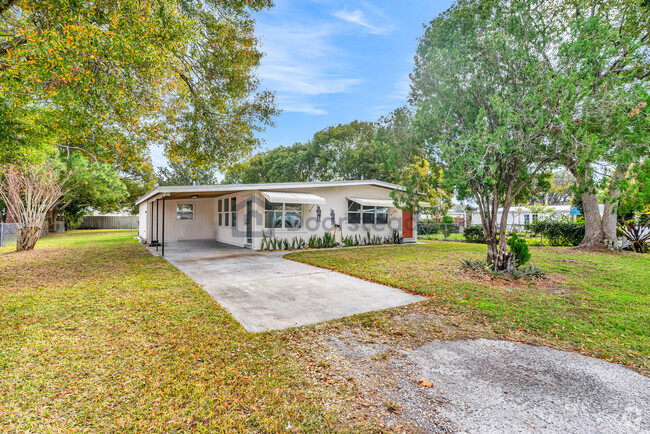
200, 228
335, 198
142, 220
516, 218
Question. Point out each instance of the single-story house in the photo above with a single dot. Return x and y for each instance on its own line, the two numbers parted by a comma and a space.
522, 215
242, 214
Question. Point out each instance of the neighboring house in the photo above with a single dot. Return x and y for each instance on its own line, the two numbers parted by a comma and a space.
521, 215
241, 214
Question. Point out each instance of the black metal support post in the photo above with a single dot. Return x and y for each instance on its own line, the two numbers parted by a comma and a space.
150, 232
157, 220
163, 228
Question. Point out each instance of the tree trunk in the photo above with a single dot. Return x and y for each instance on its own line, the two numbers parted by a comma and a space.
610, 211
27, 238
51, 219
501, 259
597, 228
609, 221
593, 222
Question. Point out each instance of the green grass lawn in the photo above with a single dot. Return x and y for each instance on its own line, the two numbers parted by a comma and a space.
441, 236
594, 303
98, 335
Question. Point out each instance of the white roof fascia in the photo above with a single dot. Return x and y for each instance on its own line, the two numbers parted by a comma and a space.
270, 186
285, 197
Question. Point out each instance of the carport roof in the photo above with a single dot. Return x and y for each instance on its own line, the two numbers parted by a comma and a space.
186, 191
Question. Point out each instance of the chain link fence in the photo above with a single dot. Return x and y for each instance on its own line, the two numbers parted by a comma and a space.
8, 234
454, 232
440, 231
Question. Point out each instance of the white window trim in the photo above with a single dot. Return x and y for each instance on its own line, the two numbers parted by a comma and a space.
222, 214
193, 211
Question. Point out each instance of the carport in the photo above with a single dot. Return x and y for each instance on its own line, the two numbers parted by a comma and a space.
264, 291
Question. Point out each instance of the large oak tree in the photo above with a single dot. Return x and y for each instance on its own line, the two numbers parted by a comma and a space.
112, 78
599, 74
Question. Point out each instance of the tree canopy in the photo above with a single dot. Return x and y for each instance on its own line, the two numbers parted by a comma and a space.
111, 78
474, 85
344, 151
89, 185
184, 173
599, 70
504, 91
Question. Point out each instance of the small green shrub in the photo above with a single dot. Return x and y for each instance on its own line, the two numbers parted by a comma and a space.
519, 248
447, 220
328, 240
474, 234
560, 233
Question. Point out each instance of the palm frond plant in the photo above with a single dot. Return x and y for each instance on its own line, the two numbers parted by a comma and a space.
638, 235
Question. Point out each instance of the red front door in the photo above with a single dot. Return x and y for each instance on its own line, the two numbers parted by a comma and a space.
407, 224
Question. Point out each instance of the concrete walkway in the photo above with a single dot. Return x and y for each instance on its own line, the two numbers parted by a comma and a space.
267, 292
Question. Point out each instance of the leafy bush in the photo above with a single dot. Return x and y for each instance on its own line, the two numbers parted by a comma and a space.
329, 240
560, 233
519, 248
395, 238
474, 234
447, 219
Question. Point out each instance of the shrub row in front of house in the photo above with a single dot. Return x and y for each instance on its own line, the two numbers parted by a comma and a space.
328, 240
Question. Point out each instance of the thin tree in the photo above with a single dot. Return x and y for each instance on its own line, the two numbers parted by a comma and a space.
29, 193
477, 110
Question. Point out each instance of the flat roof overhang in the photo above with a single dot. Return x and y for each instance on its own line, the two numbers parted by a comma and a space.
205, 191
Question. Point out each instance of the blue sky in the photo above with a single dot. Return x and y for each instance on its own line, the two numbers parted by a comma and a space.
332, 61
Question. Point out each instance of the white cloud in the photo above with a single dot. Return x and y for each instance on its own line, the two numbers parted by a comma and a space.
296, 104
301, 63
358, 17
402, 88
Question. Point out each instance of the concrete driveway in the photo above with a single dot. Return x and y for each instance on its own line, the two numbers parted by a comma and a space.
267, 292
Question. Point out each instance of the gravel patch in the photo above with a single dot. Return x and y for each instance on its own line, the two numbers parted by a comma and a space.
485, 386
500, 386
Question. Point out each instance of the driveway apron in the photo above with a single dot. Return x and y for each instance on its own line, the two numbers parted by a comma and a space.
267, 292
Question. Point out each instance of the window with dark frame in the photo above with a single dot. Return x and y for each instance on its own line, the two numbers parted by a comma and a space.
282, 215
220, 211
354, 212
233, 211
367, 214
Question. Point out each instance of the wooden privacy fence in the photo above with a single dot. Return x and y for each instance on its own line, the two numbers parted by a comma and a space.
109, 222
